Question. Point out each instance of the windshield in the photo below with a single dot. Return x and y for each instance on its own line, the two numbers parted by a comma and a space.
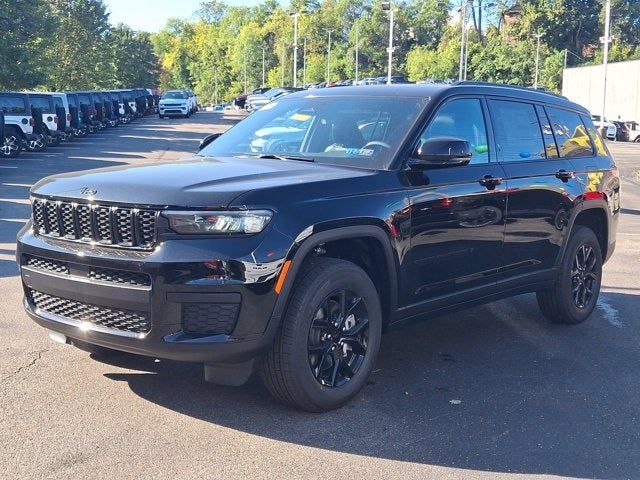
345, 130
173, 95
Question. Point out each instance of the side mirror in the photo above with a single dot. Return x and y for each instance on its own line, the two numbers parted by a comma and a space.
208, 139
441, 152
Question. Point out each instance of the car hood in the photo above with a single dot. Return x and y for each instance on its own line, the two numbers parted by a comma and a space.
195, 182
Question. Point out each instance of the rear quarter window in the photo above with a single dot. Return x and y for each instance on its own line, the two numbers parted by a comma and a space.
10, 104
43, 103
571, 134
601, 148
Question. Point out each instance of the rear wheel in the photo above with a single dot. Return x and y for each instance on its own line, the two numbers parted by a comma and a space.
161, 117
329, 338
575, 292
38, 144
12, 144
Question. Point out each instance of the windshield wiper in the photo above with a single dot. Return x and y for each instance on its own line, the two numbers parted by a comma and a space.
275, 156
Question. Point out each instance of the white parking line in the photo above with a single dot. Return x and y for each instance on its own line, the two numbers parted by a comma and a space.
609, 313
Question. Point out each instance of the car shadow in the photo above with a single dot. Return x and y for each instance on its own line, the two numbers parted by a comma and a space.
496, 388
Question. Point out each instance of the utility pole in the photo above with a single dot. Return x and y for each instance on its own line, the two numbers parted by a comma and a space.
538, 36
463, 23
329, 58
284, 54
263, 64
304, 62
390, 7
606, 40
357, 46
295, 48
245, 72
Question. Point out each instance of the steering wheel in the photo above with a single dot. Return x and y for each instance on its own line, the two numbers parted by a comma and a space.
377, 143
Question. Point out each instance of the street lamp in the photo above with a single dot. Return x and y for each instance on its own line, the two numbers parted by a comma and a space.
357, 62
537, 36
464, 34
387, 6
295, 47
245, 72
329, 58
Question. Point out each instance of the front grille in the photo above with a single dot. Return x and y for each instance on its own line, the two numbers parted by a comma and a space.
102, 275
209, 318
108, 275
46, 264
114, 226
113, 318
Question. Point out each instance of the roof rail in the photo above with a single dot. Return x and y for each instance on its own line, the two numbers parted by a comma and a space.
505, 85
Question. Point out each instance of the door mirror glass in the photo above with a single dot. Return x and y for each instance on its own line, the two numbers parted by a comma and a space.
208, 139
442, 152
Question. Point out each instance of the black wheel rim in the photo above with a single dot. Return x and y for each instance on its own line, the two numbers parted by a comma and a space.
584, 276
338, 338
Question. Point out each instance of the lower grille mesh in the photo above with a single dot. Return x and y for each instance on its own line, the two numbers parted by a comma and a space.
117, 319
209, 318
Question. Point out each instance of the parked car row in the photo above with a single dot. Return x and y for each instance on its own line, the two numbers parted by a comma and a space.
33, 121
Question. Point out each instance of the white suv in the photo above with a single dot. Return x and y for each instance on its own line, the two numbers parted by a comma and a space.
18, 124
174, 103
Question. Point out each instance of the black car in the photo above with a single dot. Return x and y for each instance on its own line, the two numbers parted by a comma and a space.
292, 253
622, 131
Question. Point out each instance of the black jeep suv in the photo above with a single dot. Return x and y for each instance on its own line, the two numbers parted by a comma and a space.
291, 242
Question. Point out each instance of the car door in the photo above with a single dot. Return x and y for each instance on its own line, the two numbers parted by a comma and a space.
541, 187
457, 213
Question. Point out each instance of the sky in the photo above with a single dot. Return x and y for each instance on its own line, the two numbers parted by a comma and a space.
151, 15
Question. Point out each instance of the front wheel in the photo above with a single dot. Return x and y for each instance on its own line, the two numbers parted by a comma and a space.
575, 292
12, 144
329, 338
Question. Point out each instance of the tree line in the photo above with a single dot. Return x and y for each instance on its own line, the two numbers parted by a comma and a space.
70, 45
223, 50
220, 50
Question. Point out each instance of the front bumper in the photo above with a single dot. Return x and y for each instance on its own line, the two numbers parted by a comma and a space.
182, 274
173, 110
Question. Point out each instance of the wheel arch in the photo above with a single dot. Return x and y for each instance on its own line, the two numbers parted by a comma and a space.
378, 261
595, 217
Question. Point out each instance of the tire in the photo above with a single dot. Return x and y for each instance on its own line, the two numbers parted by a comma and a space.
569, 300
332, 377
12, 143
54, 141
161, 117
637, 140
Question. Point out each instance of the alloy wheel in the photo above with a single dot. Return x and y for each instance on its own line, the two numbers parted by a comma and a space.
584, 276
11, 146
338, 338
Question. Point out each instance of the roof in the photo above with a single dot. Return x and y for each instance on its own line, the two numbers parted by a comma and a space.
432, 90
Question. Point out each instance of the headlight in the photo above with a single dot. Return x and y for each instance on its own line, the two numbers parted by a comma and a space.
250, 221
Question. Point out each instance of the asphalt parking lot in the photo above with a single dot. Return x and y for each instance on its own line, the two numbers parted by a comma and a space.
493, 392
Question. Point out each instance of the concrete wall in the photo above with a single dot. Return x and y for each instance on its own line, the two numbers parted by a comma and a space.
583, 85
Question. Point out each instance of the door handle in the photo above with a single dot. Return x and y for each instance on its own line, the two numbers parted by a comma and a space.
490, 182
564, 175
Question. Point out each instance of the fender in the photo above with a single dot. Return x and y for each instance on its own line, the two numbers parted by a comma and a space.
586, 204
338, 234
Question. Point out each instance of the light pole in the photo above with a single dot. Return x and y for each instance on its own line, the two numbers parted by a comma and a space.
295, 48
463, 23
357, 62
605, 58
263, 64
284, 54
245, 72
304, 62
389, 7
537, 36
329, 58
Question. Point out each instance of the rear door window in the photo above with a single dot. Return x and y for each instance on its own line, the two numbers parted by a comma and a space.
571, 134
10, 104
517, 131
57, 102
